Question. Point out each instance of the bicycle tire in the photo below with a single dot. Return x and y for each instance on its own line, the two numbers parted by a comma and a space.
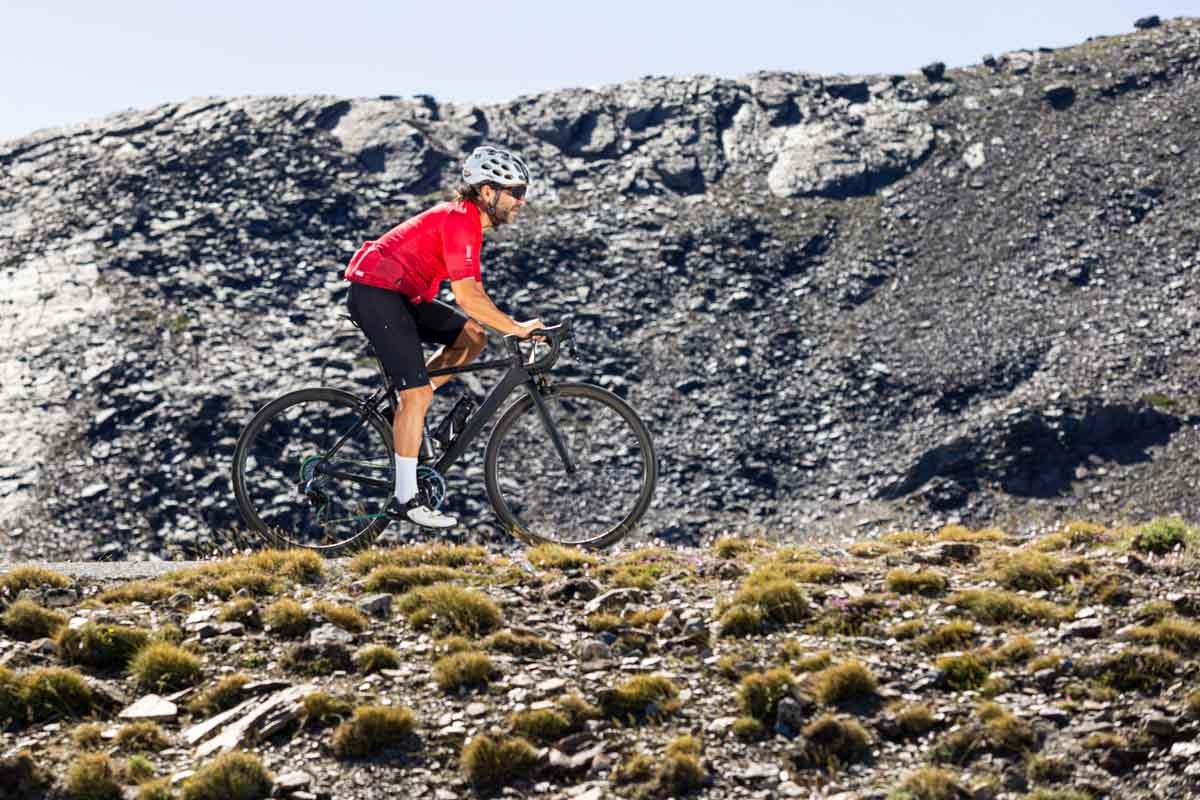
272, 500
565, 502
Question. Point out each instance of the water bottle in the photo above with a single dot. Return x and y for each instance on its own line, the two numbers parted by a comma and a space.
450, 427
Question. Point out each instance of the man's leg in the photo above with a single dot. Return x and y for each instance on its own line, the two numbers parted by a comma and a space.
466, 348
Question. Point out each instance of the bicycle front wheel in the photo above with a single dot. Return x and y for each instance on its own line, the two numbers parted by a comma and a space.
535, 495
314, 469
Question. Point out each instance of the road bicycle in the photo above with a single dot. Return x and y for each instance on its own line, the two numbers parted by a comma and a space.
568, 463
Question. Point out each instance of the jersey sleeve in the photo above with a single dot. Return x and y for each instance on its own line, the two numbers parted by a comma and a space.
461, 238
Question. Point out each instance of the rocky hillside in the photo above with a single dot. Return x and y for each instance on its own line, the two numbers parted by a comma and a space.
954, 664
856, 300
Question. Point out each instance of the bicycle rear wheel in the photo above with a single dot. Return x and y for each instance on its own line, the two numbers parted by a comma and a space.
314, 469
611, 488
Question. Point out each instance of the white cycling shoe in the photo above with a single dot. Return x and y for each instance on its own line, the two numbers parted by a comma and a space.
417, 513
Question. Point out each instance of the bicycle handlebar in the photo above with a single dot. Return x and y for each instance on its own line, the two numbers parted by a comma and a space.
555, 335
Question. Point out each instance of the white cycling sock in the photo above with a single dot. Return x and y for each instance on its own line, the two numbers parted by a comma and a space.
406, 478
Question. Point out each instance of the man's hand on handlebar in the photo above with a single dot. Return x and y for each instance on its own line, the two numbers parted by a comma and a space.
527, 328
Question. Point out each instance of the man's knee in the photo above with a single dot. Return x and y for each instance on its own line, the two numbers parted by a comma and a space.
416, 398
473, 336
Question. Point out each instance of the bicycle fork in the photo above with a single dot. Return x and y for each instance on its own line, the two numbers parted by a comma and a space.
535, 393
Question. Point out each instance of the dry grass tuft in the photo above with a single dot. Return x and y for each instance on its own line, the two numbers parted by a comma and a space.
1173, 633
913, 720
345, 617
963, 671
928, 783
243, 610
463, 670
799, 660
905, 538
521, 644
226, 694
1162, 535
88, 736
322, 709
994, 606
92, 777
759, 693
376, 657
555, 556
961, 533
831, 742
164, 667
909, 629
869, 550
398, 580
229, 776
850, 680
25, 621
730, 547
924, 582
641, 568
758, 602
101, 646
641, 697
54, 692
490, 764
287, 618
450, 609
419, 555
1135, 669
956, 634
15, 581
373, 729
541, 725
1030, 571
141, 737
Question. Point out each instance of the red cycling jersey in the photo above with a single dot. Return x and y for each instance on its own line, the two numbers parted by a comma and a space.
417, 255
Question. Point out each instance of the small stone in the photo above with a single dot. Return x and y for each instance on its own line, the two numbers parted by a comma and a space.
151, 707
1144, 23
551, 685
1162, 727
292, 781
789, 718
613, 597
377, 605
199, 617
329, 634
934, 72
594, 650
790, 789
476, 710
1060, 95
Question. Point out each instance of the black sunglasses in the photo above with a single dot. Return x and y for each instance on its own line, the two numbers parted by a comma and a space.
518, 192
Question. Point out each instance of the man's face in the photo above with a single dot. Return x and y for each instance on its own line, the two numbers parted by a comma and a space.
507, 206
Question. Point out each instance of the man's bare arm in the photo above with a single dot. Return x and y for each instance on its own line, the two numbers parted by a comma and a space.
472, 298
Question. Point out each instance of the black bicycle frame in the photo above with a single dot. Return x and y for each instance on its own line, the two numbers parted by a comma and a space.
518, 375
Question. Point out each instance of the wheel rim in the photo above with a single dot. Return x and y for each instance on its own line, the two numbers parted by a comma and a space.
302, 493
608, 489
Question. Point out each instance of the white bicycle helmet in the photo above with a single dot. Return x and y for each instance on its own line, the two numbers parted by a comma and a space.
492, 165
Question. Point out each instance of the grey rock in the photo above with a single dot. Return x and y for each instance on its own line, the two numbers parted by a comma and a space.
150, 707
377, 605
329, 634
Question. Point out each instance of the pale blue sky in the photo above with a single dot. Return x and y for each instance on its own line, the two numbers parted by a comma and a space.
67, 61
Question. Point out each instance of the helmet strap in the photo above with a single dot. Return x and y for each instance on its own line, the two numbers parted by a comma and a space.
490, 208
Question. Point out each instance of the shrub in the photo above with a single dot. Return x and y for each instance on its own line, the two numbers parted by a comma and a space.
12, 696
229, 776
741, 620
680, 774
465, 669
25, 620
156, 790
226, 694
954, 635
849, 680
909, 629
1016, 650
1045, 769
578, 710
748, 728
928, 783
92, 777
345, 617
491, 764
450, 609
398, 580
638, 768
101, 646
913, 719
642, 696
923, 582
376, 657
525, 644
1028, 571
243, 610
452, 644
322, 709
1137, 669
88, 736
541, 725
759, 693
286, 618
830, 742
18, 580
148, 592
443, 555
136, 770
52, 692
996, 606
963, 671
373, 729
1162, 535
555, 556
162, 666
138, 737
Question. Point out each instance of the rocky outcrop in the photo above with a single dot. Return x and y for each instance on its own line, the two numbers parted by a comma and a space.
807, 285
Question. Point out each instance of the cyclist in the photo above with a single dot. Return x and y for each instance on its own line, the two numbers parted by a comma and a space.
393, 298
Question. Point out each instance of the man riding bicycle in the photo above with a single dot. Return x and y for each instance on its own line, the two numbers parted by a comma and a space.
393, 298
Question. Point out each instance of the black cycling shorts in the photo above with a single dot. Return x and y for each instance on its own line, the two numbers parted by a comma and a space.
396, 326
